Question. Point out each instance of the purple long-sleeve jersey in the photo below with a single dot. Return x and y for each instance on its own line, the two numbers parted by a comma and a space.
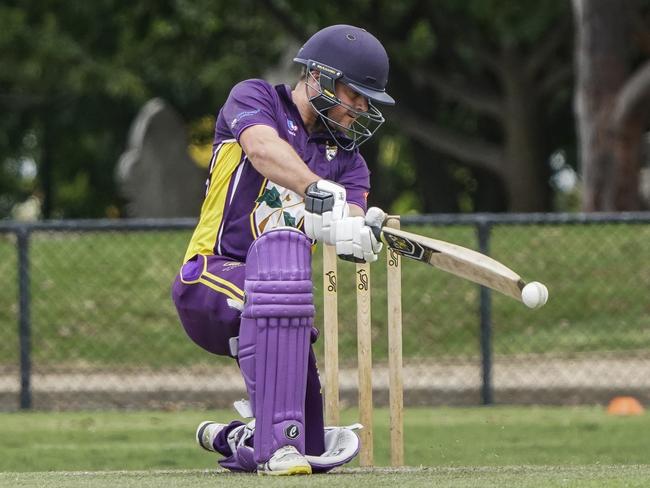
240, 204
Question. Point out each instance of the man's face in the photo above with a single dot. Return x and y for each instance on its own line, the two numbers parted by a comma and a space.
351, 113
342, 113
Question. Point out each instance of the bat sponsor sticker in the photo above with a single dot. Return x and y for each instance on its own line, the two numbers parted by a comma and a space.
407, 248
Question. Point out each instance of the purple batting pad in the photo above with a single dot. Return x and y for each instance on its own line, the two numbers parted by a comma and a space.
274, 338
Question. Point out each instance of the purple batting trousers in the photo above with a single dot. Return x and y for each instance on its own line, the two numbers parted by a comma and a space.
208, 294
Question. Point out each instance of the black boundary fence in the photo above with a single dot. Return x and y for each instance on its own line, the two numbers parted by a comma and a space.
483, 225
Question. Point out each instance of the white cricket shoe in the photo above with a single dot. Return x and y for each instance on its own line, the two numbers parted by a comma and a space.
286, 461
206, 432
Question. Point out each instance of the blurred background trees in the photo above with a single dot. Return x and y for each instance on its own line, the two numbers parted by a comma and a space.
75, 74
484, 120
612, 99
483, 92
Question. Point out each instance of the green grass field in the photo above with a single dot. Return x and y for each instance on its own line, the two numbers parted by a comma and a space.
487, 477
458, 447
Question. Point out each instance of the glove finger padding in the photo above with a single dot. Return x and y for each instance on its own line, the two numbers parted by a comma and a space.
355, 240
347, 238
313, 225
369, 242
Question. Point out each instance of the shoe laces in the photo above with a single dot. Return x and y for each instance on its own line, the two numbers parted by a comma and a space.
239, 435
285, 451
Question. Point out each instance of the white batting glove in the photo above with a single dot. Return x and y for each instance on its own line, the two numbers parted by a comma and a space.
375, 218
324, 206
355, 241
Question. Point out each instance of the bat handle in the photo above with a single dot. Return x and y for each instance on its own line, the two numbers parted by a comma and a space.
375, 218
376, 227
390, 221
376, 231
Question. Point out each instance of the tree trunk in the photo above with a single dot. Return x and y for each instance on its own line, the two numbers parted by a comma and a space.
437, 190
630, 120
601, 70
627, 150
525, 169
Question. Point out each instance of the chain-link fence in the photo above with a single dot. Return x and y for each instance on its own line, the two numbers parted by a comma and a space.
87, 319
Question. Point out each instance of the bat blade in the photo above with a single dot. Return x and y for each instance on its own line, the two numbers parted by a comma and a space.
457, 260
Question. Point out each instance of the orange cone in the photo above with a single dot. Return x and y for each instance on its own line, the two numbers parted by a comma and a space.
624, 405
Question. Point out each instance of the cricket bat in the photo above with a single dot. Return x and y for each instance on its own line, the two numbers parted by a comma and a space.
465, 263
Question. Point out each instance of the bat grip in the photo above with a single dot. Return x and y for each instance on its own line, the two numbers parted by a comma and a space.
376, 231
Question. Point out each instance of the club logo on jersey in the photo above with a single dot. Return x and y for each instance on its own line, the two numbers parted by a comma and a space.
275, 207
292, 126
292, 431
330, 151
273, 199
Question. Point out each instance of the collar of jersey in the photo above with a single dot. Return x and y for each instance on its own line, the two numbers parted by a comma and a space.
284, 91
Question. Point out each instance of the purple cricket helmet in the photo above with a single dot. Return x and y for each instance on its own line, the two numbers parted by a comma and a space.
356, 54
356, 58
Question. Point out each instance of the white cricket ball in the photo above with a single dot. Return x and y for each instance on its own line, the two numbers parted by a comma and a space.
534, 294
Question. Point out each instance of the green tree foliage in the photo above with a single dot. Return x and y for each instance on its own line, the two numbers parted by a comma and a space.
74, 75
482, 90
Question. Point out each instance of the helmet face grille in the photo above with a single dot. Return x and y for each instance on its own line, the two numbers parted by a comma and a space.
362, 128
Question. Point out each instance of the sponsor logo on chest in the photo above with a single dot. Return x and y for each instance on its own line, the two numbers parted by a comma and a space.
243, 115
292, 126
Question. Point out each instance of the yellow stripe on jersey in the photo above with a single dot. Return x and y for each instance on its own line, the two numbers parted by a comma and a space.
207, 278
252, 217
227, 283
204, 239
225, 291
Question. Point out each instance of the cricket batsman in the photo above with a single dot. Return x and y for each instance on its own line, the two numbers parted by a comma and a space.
285, 172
